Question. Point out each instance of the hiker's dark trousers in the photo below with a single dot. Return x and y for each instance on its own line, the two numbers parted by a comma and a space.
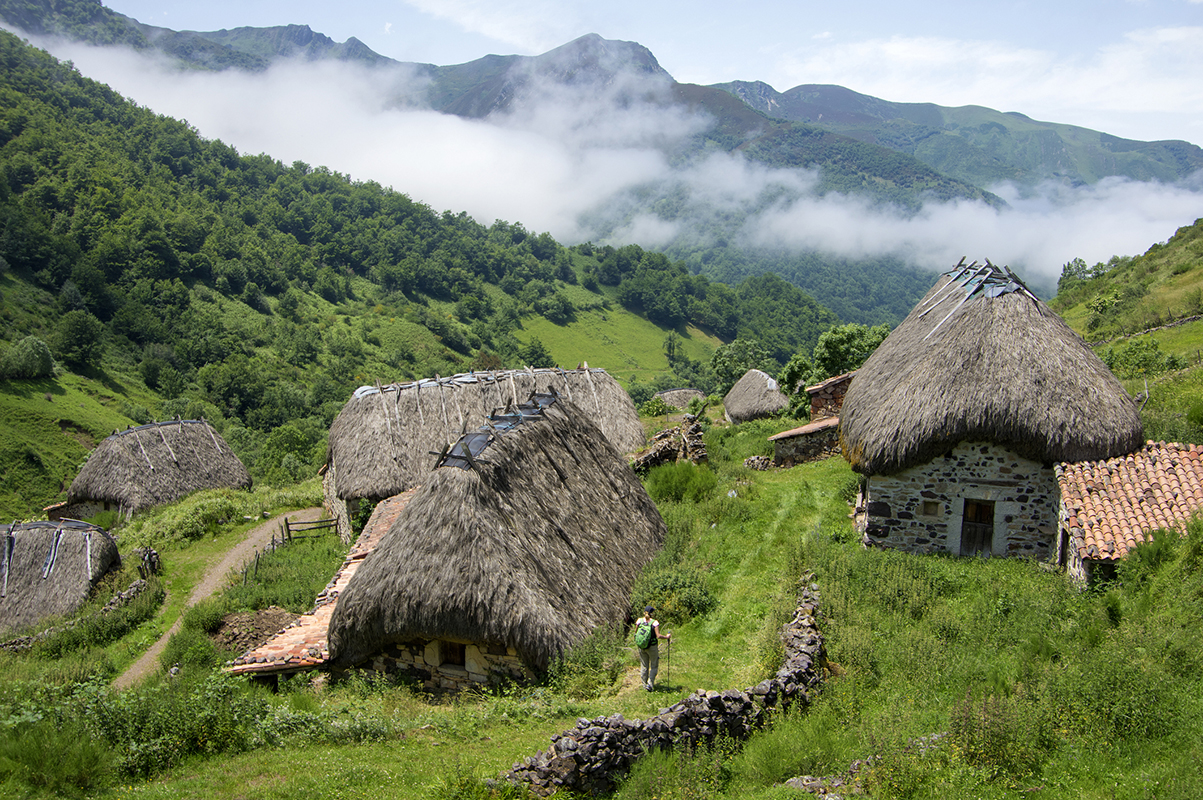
649, 664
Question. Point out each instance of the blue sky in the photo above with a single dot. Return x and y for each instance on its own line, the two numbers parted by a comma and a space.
1133, 68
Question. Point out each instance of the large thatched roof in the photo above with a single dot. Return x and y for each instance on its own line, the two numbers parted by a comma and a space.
380, 443
158, 463
982, 359
532, 547
49, 568
753, 396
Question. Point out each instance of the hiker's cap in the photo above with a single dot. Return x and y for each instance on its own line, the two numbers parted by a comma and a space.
649, 609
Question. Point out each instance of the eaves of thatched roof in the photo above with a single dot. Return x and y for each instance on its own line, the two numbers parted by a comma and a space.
982, 359
533, 545
158, 463
49, 568
382, 440
754, 396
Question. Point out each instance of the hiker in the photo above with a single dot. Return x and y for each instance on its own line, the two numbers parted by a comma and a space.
647, 639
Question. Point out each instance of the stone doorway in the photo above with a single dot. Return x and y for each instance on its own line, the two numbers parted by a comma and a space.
977, 528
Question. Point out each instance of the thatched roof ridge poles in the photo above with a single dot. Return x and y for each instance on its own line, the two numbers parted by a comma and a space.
593, 386
418, 401
212, 438
52, 556
443, 402
567, 385
459, 410
947, 288
388, 425
138, 439
8, 556
513, 388
165, 444
88, 556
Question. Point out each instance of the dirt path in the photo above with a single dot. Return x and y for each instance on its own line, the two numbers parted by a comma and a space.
256, 539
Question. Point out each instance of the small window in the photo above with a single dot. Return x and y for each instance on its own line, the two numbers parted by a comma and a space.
931, 508
453, 653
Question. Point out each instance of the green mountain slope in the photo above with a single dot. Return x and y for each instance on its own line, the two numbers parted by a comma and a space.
180, 277
974, 144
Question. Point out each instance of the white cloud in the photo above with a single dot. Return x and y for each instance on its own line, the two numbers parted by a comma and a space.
578, 157
1149, 71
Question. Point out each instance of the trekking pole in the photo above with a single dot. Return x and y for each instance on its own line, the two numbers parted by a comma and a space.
668, 663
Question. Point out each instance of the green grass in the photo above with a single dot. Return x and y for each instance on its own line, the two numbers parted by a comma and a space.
1038, 688
47, 428
624, 344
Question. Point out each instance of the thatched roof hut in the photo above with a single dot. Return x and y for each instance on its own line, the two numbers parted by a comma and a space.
526, 546
680, 398
982, 359
49, 568
754, 396
157, 463
382, 440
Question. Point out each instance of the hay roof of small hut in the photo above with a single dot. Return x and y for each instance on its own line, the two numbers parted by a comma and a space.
158, 463
680, 398
531, 544
49, 568
982, 359
753, 396
380, 443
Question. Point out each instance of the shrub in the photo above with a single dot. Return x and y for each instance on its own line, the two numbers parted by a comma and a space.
678, 593
656, 407
62, 760
153, 729
99, 628
682, 481
590, 667
28, 358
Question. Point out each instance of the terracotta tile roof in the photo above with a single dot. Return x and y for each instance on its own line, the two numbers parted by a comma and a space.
823, 424
1112, 505
302, 644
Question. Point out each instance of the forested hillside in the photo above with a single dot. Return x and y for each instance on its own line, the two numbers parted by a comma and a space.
192, 279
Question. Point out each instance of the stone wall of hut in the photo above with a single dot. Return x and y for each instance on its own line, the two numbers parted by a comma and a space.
337, 509
426, 661
829, 399
921, 509
807, 447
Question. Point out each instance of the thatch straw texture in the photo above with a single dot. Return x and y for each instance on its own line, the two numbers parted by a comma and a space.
158, 463
969, 366
754, 396
680, 398
533, 549
382, 440
72, 555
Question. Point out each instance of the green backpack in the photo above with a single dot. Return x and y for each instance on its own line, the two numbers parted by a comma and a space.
645, 634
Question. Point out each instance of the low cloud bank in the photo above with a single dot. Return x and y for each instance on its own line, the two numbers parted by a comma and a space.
583, 165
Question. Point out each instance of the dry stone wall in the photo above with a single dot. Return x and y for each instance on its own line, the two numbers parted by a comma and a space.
592, 756
800, 449
921, 509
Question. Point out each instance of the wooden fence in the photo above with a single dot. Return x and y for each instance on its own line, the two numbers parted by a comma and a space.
287, 533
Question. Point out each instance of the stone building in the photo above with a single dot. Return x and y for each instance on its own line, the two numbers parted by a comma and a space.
525, 539
827, 397
381, 442
957, 420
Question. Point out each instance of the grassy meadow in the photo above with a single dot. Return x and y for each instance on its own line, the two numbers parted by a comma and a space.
1022, 684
